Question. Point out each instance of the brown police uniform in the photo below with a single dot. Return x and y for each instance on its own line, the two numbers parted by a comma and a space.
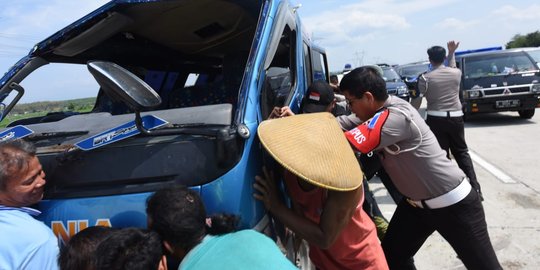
441, 88
439, 196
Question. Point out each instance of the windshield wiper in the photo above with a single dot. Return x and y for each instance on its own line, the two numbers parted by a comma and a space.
190, 129
191, 125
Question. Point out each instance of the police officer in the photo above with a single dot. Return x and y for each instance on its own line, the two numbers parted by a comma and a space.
440, 87
438, 195
370, 162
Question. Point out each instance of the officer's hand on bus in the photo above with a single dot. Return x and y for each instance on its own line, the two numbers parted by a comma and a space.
275, 113
267, 190
279, 112
286, 111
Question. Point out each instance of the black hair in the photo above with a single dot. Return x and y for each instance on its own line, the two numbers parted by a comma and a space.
179, 216
79, 252
130, 248
364, 79
436, 54
14, 157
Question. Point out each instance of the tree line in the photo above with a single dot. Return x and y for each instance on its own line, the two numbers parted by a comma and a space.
76, 105
528, 40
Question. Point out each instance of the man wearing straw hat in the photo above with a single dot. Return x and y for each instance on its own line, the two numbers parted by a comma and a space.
438, 195
324, 181
320, 97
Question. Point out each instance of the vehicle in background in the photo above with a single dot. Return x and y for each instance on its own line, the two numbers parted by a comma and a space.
499, 80
394, 84
217, 67
534, 52
409, 73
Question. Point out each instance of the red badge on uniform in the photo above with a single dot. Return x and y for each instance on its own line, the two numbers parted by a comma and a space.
367, 136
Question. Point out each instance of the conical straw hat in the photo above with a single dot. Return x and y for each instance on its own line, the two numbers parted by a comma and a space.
313, 147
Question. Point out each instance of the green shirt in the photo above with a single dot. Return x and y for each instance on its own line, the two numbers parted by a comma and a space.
247, 249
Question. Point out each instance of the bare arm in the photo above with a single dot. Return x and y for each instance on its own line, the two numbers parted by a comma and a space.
337, 212
452, 47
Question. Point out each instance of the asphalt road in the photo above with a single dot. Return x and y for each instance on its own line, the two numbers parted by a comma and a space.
505, 151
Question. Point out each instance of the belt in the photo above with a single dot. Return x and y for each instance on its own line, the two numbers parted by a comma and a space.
445, 113
453, 196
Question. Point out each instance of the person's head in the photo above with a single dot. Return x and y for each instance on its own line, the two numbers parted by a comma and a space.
364, 90
334, 79
319, 98
22, 180
178, 215
436, 55
80, 251
131, 249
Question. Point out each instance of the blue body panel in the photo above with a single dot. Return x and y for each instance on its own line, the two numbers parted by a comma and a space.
230, 193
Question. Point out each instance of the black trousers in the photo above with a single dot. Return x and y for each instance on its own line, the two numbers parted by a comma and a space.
463, 225
370, 205
450, 132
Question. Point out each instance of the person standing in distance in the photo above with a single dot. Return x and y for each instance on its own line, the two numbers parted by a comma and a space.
438, 196
26, 243
440, 87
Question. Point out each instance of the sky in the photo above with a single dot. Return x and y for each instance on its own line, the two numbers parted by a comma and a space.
354, 32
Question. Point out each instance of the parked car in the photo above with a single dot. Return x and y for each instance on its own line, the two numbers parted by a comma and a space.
499, 80
409, 73
178, 87
394, 84
534, 52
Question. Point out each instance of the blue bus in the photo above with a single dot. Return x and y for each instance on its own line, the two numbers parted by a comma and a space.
217, 68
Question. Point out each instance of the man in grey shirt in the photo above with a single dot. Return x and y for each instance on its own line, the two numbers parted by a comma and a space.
440, 87
439, 197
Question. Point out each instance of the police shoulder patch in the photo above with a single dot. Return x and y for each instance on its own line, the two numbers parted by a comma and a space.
367, 136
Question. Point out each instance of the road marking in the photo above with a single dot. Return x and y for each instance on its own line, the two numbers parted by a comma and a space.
503, 177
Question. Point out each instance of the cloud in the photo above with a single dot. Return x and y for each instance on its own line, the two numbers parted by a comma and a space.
354, 17
354, 32
512, 13
455, 24
26, 22
345, 25
40, 19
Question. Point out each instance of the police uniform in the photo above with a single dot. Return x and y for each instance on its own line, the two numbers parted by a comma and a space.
439, 196
370, 164
440, 87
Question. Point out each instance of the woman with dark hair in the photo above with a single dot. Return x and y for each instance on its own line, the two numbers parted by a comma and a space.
178, 215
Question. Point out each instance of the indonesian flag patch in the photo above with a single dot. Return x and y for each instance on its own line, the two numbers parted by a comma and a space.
367, 136
315, 96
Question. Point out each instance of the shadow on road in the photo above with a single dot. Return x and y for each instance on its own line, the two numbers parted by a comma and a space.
497, 119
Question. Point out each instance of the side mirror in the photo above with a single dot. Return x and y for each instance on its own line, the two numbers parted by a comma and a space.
119, 83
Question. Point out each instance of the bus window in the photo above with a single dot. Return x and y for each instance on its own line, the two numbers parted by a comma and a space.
319, 68
280, 76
